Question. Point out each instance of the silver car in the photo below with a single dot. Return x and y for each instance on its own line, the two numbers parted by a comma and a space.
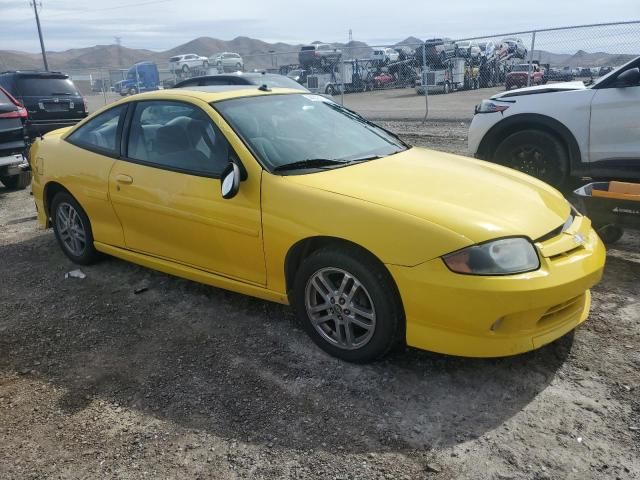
227, 61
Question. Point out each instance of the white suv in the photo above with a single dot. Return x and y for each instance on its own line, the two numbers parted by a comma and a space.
189, 61
385, 55
562, 130
227, 61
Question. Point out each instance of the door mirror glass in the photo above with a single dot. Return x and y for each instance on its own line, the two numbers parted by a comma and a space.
230, 181
628, 78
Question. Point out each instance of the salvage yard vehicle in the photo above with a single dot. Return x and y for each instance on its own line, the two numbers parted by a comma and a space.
241, 78
227, 60
141, 77
14, 173
187, 62
513, 46
562, 130
517, 77
384, 55
443, 80
318, 55
437, 51
468, 49
293, 198
51, 99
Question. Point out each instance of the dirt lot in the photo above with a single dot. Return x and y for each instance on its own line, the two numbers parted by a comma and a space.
186, 381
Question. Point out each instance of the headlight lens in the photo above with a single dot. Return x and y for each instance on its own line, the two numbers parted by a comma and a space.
489, 106
499, 257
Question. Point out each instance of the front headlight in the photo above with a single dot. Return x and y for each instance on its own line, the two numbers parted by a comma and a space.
506, 256
490, 106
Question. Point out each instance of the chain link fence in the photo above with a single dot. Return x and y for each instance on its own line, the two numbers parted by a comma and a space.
409, 79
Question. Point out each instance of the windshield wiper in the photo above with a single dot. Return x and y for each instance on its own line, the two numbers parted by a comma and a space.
61, 93
309, 163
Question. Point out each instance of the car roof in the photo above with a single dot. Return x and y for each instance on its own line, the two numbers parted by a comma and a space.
211, 93
247, 77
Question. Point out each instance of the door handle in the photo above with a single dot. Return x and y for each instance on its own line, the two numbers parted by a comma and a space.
125, 179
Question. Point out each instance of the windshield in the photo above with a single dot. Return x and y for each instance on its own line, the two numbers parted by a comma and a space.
285, 129
522, 68
43, 86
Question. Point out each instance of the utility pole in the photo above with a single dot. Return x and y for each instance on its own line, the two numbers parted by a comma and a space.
350, 35
119, 50
44, 54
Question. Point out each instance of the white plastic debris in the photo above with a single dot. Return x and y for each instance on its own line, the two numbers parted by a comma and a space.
75, 274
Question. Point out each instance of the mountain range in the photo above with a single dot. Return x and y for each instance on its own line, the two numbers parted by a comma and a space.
257, 54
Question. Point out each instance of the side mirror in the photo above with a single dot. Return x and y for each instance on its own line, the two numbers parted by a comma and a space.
628, 78
230, 181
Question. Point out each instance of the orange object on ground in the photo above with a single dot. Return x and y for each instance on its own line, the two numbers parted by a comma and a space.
620, 190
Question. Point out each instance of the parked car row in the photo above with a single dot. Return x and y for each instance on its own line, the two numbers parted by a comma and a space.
32, 103
190, 63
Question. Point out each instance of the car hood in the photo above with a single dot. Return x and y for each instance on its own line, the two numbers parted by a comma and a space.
476, 199
554, 87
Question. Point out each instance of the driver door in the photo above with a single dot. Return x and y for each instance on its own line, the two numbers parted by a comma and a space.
614, 141
166, 193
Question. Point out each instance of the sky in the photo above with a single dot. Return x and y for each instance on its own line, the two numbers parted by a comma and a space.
163, 24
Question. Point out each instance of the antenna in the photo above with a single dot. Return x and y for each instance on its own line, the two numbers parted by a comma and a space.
119, 51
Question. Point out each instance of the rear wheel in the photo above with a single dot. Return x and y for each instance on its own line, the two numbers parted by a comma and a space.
348, 304
536, 153
17, 182
72, 228
185, 69
238, 67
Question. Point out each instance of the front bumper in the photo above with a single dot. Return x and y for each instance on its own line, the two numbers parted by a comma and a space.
476, 316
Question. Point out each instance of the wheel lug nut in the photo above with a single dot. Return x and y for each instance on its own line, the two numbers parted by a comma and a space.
346, 312
342, 301
333, 300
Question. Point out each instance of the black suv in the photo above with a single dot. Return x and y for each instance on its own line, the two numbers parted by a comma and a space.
51, 99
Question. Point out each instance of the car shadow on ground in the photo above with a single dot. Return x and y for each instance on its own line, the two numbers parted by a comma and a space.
238, 367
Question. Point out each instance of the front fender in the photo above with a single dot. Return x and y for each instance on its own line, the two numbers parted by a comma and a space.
292, 212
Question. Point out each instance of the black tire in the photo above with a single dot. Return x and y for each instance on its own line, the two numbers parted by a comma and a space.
133, 91
610, 233
238, 67
185, 68
330, 90
389, 326
89, 254
205, 65
536, 153
447, 88
17, 182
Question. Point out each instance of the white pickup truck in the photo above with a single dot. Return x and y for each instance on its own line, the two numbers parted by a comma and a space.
562, 130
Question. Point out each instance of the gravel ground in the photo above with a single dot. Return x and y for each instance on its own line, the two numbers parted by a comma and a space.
130, 373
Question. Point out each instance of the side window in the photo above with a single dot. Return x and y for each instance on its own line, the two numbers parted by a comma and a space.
177, 136
100, 133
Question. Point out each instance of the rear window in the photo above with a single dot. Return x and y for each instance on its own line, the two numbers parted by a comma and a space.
308, 48
174, 59
43, 86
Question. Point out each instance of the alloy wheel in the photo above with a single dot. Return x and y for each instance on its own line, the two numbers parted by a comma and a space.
71, 229
340, 308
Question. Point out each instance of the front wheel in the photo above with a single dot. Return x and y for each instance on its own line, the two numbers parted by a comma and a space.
205, 64
72, 229
348, 304
536, 153
238, 67
17, 182
330, 90
185, 69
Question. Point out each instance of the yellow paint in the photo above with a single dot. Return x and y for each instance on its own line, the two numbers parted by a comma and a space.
408, 210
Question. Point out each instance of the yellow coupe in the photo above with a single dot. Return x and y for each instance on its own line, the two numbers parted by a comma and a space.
292, 198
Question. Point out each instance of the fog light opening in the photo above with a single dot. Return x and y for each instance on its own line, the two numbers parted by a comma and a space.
496, 325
